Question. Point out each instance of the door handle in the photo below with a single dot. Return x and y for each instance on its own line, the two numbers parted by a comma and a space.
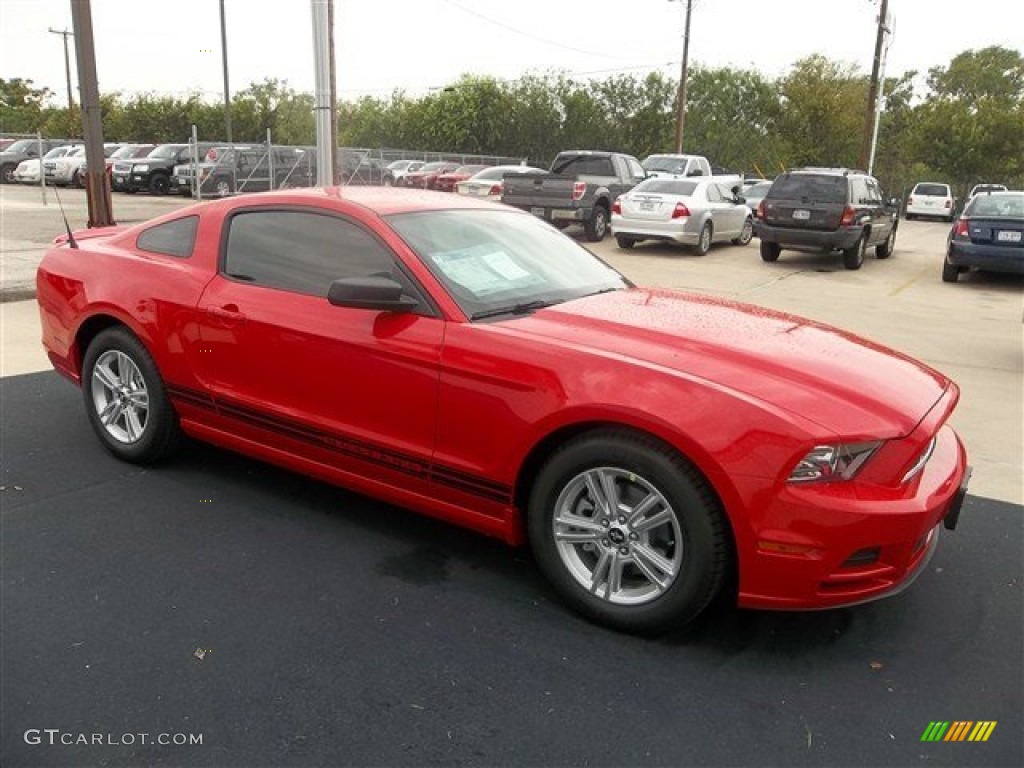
228, 314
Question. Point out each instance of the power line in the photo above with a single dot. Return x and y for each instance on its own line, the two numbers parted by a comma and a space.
530, 35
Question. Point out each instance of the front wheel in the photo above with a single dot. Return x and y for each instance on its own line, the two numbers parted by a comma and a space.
125, 398
884, 250
624, 242
627, 531
159, 184
222, 188
597, 227
8, 173
853, 257
746, 234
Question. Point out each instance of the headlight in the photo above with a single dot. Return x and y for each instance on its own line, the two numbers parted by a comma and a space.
141, 168
832, 462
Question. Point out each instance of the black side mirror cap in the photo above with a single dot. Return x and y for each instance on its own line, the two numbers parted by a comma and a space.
377, 293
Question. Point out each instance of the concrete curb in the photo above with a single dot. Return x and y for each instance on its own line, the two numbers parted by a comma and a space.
17, 293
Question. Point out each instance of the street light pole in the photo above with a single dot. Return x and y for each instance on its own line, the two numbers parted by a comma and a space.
683, 74
224, 65
67, 62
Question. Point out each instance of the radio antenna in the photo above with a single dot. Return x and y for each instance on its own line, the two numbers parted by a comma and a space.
71, 238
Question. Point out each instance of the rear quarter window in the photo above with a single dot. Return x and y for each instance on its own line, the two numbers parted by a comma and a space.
172, 238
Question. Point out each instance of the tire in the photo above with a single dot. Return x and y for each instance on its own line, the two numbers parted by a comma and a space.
624, 242
125, 399
666, 573
704, 241
7, 174
159, 184
76, 180
950, 272
388, 181
910, 217
597, 226
222, 188
884, 250
853, 257
746, 234
770, 251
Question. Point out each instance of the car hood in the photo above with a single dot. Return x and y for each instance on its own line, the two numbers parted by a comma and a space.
846, 384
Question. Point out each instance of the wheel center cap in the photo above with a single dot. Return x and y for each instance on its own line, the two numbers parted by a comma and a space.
617, 536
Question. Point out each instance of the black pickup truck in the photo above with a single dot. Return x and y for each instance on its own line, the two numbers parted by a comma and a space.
580, 188
153, 172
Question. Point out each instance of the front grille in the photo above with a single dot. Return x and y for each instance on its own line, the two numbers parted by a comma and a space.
122, 167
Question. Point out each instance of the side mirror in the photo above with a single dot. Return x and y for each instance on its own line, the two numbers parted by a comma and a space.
378, 293
740, 199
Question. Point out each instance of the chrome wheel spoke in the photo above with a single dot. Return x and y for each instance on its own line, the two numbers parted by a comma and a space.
615, 574
639, 512
106, 377
110, 413
132, 424
600, 573
577, 537
648, 561
646, 524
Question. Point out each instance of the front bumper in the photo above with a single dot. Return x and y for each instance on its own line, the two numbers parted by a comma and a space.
134, 182
808, 239
835, 544
997, 258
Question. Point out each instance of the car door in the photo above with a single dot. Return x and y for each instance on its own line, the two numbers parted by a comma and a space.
355, 389
733, 213
717, 207
882, 217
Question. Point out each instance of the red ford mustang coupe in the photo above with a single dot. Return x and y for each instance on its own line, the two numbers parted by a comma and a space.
471, 362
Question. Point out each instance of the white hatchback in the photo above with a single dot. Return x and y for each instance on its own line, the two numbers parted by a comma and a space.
929, 198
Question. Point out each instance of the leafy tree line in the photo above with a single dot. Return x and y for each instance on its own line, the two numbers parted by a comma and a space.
968, 125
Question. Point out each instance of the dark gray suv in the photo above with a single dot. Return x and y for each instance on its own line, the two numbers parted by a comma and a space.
823, 210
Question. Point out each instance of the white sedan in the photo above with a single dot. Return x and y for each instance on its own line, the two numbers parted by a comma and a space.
686, 211
488, 182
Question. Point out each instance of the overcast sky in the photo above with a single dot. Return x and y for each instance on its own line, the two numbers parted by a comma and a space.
417, 45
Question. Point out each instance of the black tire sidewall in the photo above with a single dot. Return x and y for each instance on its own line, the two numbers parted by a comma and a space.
159, 184
700, 574
161, 425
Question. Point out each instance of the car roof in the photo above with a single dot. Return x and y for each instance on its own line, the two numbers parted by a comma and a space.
380, 200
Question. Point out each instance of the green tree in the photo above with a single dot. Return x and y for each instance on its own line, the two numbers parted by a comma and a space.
21, 105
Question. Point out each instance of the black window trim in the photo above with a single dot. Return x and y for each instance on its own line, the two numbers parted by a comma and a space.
428, 307
175, 256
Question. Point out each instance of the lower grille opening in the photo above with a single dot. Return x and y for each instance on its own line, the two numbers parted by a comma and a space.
862, 557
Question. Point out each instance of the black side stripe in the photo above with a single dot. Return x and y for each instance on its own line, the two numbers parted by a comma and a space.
351, 447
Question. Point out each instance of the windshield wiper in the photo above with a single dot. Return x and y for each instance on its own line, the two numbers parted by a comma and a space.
523, 308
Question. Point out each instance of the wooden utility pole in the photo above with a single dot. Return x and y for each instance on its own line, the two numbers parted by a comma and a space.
67, 63
683, 74
872, 111
97, 186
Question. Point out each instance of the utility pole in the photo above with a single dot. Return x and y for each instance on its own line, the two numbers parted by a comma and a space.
97, 187
683, 73
872, 112
881, 102
67, 63
335, 166
325, 147
224, 65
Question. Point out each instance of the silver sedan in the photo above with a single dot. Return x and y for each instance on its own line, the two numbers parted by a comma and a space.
488, 182
690, 212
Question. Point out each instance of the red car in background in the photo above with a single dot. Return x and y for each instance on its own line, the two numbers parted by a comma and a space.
426, 176
446, 181
471, 362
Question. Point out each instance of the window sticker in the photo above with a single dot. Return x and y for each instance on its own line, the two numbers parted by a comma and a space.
483, 270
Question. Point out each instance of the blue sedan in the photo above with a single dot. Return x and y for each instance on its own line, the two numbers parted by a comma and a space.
988, 235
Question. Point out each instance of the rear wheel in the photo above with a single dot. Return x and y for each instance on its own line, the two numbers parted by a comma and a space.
627, 531
222, 188
770, 251
746, 234
853, 257
597, 227
625, 242
125, 398
704, 241
8, 173
950, 272
76, 180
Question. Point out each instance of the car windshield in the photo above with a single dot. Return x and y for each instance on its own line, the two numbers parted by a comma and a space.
435, 166
808, 187
399, 165
667, 187
998, 205
931, 190
758, 190
586, 165
56, 152
469, 170
664, 163
501, 262
21, 146
166, 151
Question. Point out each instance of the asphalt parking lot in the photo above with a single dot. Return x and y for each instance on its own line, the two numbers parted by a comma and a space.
291, 623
